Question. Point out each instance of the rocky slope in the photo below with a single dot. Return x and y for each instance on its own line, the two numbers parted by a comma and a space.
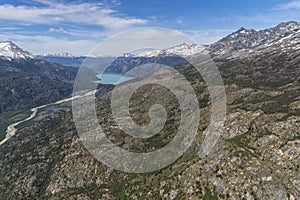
244, 40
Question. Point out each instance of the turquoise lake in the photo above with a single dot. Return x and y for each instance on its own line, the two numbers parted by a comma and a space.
110, 78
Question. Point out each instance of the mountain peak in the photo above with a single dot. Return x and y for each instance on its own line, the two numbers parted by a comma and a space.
287, 26
9, 50
6, 43
249, 39
241, 29
289, 23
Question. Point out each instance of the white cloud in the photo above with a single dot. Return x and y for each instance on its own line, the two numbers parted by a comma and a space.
56, 30
57, 15
147, 38
67, 18
288, 6
179, 20
77, 13
9, 28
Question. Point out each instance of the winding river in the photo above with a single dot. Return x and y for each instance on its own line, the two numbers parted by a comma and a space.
11, 129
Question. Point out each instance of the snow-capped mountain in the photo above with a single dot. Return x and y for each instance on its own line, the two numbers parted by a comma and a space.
172, 56
180, 50
68, 59
249, 39
61, 55
9, 50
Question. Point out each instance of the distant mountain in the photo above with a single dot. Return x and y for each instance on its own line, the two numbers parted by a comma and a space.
62, 54
180, 50
9, 51
68, 59
27, 81
63, 58
172, 56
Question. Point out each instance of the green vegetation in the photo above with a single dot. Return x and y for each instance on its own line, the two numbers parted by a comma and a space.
241, 142
8, 118
210, 195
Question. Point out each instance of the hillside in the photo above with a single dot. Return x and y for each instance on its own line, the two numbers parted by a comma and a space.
26, 81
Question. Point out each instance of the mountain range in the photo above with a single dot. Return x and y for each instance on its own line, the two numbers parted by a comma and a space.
243, 40
256, 157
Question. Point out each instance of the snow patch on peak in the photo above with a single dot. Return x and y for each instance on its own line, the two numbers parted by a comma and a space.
9, 51
180, 50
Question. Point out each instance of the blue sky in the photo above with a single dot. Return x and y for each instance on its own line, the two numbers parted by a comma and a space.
48, 26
